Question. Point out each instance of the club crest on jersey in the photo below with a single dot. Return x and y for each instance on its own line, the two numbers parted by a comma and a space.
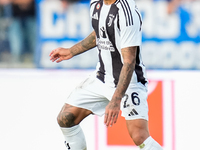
111, 18
98, 6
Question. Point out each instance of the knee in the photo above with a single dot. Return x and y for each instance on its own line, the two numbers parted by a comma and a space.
71, 116
66, 119
139, 137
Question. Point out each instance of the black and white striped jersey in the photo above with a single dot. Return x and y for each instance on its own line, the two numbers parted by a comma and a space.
117, 26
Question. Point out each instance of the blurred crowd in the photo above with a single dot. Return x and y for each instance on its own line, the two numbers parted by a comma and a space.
17, 31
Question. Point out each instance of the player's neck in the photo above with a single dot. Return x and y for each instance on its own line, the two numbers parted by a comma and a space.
109, 2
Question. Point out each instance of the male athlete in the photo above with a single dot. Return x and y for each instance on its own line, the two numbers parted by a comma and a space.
119, 80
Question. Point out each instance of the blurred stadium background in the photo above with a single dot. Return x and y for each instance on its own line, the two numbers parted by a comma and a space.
33, 89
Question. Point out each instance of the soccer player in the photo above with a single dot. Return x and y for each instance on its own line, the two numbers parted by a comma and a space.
119, 81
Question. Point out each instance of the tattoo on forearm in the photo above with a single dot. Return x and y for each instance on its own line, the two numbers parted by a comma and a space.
86, 44
125, 77
126, 72
89, 42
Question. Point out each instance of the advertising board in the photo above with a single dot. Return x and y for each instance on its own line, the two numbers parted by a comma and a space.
170, 41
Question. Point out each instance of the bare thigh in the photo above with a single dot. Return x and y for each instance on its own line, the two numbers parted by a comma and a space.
138, 130
71, 115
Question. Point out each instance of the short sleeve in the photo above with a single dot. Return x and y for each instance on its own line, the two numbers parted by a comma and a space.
130, 28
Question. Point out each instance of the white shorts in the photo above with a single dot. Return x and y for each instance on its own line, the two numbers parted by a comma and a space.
94, 95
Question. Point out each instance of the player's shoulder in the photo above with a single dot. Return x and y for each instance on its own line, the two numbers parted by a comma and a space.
93, 2
125, 4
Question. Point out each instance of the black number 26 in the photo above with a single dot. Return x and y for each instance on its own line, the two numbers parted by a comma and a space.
135, 98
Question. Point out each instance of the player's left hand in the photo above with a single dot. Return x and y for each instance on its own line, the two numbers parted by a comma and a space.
111, 112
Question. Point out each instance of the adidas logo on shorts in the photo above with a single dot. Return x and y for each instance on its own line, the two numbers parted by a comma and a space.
133, 112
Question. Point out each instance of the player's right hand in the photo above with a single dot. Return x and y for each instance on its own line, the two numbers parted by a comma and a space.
111, 112
60, 54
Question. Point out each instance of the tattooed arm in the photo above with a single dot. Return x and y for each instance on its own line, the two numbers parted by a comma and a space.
113, 108
60, 54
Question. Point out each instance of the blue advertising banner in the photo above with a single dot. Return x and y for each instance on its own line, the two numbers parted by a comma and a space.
170, 41
62, 26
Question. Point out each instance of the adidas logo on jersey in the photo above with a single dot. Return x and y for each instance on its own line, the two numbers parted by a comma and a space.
95, 16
